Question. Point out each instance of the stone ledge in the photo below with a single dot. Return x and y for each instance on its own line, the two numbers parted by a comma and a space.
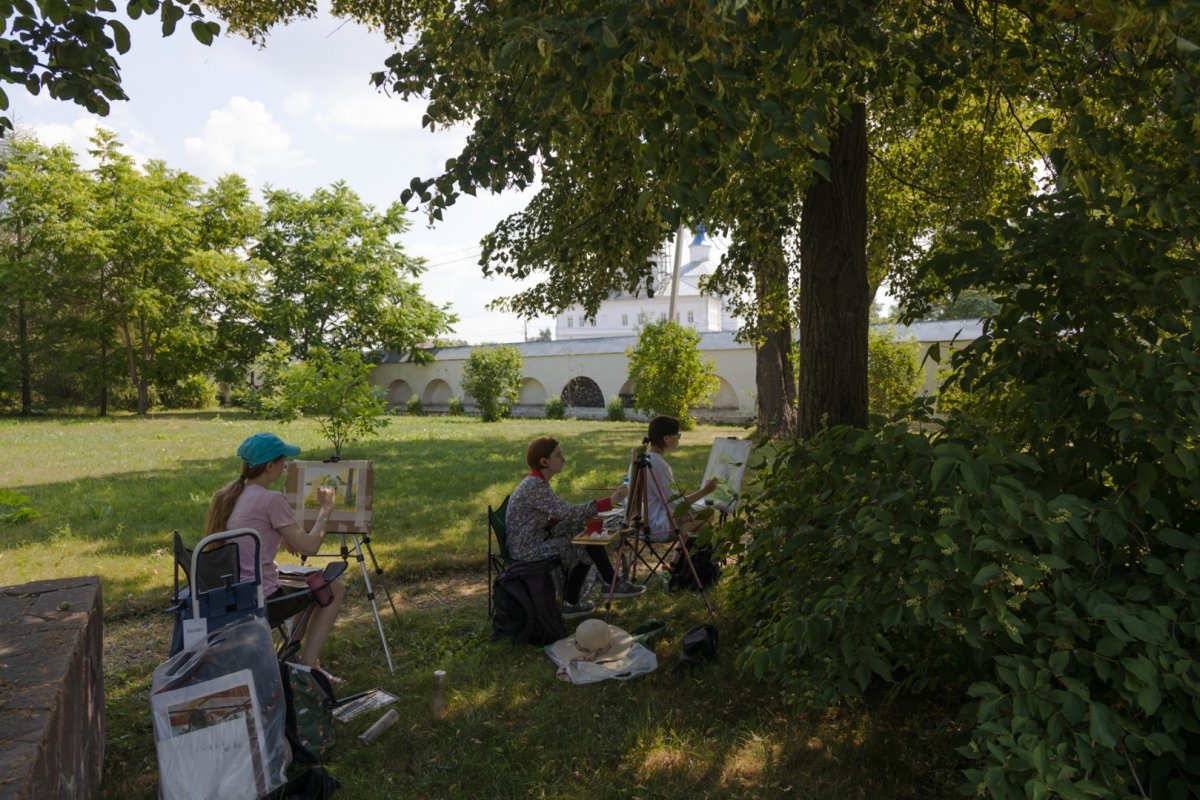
51, 689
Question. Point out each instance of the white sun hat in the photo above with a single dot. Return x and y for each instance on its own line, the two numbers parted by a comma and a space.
598, 651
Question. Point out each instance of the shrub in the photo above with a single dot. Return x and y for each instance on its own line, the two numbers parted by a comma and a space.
1039, 564
893, 372
456, 407
615, 410
492, 375
335, 390
194, 391
413, 406
669, 374
555, 408
14, 508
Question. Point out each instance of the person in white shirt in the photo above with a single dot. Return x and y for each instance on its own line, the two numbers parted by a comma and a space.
661, 496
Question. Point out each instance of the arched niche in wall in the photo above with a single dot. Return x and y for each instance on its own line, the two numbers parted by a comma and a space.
726, 397
398, 392
582, 392
532, 393
626, 393
437, 393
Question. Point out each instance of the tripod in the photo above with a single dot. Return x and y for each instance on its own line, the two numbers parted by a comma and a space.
637, 523
354, 543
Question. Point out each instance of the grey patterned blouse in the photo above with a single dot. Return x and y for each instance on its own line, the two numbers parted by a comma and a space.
532, 507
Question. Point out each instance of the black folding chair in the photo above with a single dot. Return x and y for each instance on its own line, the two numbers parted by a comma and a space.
498, 555
218, 566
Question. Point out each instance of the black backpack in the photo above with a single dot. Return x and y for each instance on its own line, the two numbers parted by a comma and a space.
708, 568
527, 609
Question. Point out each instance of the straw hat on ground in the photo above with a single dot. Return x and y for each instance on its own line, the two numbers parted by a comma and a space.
595, 641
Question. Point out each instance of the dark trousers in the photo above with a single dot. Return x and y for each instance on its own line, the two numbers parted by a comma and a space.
599, 555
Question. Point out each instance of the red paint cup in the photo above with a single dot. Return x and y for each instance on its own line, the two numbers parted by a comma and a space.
595, 525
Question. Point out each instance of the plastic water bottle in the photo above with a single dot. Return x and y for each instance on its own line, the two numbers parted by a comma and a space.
382, 724
437, 703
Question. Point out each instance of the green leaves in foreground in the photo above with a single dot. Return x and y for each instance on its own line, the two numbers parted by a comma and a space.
14, 508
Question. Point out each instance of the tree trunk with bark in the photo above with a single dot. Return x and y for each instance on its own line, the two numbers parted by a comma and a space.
774, 372
23, 355
834, 294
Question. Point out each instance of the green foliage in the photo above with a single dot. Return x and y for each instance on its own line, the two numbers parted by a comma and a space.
456, 407
340, 277
615, 409
669, 374
893, 372
414, 406
335, 391
492, 376
1037, 554
14, 508
194, 391
70, 49
555, 408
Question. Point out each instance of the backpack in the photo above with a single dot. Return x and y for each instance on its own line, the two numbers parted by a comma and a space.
310, 703
527, 609
699, 646
707, 567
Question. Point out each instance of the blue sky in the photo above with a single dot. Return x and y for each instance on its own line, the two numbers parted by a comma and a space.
297, 114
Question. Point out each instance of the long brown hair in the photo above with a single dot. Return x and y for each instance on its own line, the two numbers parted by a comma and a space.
224, 500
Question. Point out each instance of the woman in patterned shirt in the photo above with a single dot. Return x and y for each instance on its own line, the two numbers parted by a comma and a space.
541, 524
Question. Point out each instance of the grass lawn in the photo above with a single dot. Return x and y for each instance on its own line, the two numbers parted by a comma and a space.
108, 493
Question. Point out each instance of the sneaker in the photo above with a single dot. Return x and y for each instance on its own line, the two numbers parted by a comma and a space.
626, 589
582, 609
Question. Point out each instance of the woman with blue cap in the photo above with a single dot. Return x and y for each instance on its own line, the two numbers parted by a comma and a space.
246, 502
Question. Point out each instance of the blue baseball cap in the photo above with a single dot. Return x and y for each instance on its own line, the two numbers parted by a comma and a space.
265, 447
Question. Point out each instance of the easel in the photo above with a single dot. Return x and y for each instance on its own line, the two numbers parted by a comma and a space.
354, 542
637, 519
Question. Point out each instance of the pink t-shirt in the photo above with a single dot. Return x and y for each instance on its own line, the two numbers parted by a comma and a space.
266, 512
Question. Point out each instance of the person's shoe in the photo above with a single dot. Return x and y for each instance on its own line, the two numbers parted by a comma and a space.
581, 609
625, 589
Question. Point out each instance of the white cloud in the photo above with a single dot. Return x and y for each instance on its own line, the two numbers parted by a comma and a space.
244, 138
367, 111
298, 103
77, 133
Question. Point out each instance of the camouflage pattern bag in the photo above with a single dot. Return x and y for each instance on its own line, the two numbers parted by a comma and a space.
310, 703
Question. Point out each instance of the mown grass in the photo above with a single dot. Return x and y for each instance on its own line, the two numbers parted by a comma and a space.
109, 492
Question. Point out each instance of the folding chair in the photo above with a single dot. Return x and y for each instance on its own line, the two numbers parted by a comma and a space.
218, 580
498, 555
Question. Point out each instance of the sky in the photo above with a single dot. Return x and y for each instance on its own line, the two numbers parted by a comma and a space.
298, 114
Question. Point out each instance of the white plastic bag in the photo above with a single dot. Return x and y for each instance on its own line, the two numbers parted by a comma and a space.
219, 713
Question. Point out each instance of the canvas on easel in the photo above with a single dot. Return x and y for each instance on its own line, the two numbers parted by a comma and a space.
353, 483
727, 462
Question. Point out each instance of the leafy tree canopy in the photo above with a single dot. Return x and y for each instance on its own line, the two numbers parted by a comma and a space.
492, 375
669, 374
70, 49
339, 276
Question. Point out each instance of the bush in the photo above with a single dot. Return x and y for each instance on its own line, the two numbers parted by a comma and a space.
615, 410
14, 508
492, 375
555, 408
893, 372
336, 391
194, 391
669, 374
1039, 564
413, 406
456, 407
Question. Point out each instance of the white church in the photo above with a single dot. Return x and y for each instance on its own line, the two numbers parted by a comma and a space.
623, 313
586, 365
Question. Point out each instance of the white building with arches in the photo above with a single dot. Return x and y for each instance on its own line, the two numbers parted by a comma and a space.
588, 372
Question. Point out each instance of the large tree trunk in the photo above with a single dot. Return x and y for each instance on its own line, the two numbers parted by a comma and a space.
834, 296
774, 375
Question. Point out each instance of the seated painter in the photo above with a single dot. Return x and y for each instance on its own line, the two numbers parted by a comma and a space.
247, 502
662, 500
541, 524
